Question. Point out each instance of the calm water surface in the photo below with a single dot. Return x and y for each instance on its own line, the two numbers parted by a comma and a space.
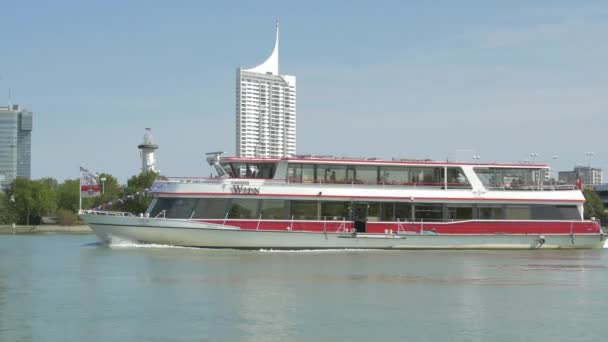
69, 288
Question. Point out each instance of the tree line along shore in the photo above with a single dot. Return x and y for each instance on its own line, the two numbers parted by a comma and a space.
25, 202
44, 229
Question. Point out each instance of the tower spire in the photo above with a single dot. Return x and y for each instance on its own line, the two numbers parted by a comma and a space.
270, 65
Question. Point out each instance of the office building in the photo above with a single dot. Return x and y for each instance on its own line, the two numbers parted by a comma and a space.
265, 110
589, 175
15, 144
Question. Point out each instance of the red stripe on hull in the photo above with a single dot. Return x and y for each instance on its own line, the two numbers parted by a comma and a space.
464, 227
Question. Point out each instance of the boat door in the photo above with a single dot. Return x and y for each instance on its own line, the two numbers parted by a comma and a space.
359, 213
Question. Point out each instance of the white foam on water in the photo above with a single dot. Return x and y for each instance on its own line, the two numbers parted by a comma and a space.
120, 242
334, 250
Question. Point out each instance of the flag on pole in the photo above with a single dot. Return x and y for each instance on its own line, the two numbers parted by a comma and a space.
89, 183
579, 182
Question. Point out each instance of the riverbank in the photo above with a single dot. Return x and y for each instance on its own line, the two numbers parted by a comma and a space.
43, 229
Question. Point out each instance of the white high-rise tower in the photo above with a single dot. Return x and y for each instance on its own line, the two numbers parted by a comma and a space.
147, 147
265, 110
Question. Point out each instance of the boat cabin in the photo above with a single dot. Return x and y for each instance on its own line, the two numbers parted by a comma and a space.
397, 173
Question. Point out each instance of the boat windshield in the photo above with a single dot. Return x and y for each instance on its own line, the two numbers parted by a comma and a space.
263, 170
510, 178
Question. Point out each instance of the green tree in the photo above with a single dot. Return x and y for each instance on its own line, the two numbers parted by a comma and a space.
68, 193
31, 199
111, 190
66, 217
6, 214
136, 186
593, 205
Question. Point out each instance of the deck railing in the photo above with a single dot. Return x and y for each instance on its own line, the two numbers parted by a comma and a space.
353, 183
106, 213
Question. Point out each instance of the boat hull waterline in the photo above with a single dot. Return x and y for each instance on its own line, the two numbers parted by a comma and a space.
180, 232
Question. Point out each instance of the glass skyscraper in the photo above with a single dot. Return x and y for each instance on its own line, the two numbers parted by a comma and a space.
15, 144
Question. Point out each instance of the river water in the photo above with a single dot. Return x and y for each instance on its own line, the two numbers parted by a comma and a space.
70, 288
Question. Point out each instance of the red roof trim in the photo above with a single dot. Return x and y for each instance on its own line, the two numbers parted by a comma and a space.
380, 162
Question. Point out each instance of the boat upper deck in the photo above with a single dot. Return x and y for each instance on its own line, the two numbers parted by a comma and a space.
399, 173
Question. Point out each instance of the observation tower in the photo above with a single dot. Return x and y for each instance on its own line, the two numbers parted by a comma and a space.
147, 147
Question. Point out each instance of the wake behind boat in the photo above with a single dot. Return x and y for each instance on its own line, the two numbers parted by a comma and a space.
329, 203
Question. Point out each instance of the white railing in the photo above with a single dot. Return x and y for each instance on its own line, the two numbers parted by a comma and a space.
544, 187
352, 184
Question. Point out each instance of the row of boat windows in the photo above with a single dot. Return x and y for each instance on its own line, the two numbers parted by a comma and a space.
279, 209
516, 178
452, 177
368, 174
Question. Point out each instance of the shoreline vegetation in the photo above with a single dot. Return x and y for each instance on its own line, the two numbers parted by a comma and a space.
44, 229
31, 203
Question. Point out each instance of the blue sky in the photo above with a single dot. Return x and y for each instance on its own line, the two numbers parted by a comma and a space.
425, 79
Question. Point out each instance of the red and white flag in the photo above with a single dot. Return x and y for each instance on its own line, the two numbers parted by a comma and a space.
579, 182
89, 183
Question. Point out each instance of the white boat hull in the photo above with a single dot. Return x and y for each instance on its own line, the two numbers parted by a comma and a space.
198, 234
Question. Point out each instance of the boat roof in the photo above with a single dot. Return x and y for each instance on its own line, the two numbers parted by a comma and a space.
378, 161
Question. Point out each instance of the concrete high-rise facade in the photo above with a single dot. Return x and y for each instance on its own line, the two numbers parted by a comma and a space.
15, 144
265, 110
589, 175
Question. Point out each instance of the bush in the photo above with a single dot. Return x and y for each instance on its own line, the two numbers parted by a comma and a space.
67, 217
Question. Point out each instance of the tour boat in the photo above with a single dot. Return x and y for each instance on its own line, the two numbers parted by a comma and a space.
311, 202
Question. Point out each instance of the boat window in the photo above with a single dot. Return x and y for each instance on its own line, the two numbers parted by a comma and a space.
517, 212
388, 211
554, 212
456, 179
229, 168
403, 211
392, 175
510, 178
489, 212
211, 208
335, 210
363, 174
431, 176
415, 176
304, 210
331, 173
243, 208
250, 170
158, 206
308, 173
266, 170
428, 212
460, 211
294, 173
569, 212
151, 206
374, 212
173, 207
275, 209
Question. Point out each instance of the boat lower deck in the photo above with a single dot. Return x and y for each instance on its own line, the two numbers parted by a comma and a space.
209, 235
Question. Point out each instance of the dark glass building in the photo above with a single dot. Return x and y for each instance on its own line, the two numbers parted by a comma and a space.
15, 144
